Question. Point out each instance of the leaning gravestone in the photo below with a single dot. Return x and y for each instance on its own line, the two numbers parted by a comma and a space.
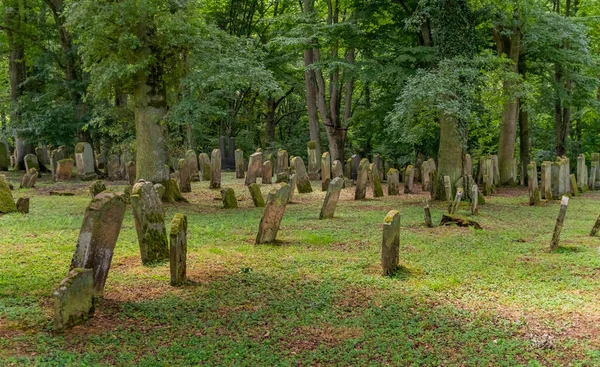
293, 185
31, 162
228, 198
239, 164
204, 163
215, 169
325, 171
331, 198
96, 188
29, 179
361, 180
302, 179
274, 210
254, 168
7, 203
149, 222
178, 249
64, 170
74, 299
267, 172
43, 158
98, 236
84, 159
393, 182
257, 197
4, 156
390, 244
379, 164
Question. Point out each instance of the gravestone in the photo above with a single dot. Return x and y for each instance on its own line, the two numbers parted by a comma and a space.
574, 188
192, 159
377, 189
532, 184
557, 184
64, 169
496, 180
29, 179
592, 177
187, 170
379, 164
84, 159
595, 158
228, 198
467, 165
302, 180
56, 156
337, 169
282, 161
178, 249
101, 162
348, 169
325, 171
409, 178
4, 156
150, 222
239, 164
559, 223
257, 197
275, 208
582, 179
448, 189
43, 158
390, 244
313, 161
222, 150
31, 162
254, 167
231, 154
355, 164
7, 203
331, 198
23, 205
546, 184
126, 157
361, 180
474, 199
204, 163
74, 299
215, 169
393, 182
96, 188
267, 172
98, 236
113, 167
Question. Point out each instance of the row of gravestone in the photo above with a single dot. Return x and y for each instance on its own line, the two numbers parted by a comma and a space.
7, 202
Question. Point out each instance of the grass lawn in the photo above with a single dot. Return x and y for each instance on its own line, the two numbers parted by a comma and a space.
463, 298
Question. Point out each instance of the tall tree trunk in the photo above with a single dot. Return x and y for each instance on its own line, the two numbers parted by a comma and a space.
270, 121
524, 144
561, 116
450, 155
311, 89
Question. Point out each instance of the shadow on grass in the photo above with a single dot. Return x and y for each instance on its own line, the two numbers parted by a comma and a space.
568, 250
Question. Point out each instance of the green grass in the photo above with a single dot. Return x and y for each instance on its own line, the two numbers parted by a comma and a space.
462, 297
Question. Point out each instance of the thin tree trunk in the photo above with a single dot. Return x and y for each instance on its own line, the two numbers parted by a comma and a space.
524, 143
449, 155
311, 89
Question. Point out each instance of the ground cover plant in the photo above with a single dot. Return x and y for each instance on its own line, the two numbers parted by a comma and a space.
461, 296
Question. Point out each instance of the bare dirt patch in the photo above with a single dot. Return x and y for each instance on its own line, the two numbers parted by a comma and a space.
306, 338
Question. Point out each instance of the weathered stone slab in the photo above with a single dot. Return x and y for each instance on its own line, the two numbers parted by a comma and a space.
43, 158
592, 177
29, 179
448, 189
378, 162
74, 299
582, 179
178, 249
337, 169
361, 180
474, 199
215, 169
113, 167
4, 156
302, 179
409, 179
574, 188
239, 164
222, 149
64, 169
390, 244
204, 163
325, 171
348, 169
84, 159
377, 189
55, 156
257, 197
546, 186
532, 184
23, 205
292, 183
7, 203
355, 165
31, 162
267, 172
313, 161
228, 198
275, 208
96, 188
331, 198
231, 154
393, 182
131, 172
98, 236
560, 219
282, 161
150, 222
254, 168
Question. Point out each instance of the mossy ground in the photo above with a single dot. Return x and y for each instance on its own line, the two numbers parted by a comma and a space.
461, 296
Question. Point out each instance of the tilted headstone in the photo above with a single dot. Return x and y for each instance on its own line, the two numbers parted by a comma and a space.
254, 167
474, 199
64, 169
331, 198
23, 205
228, 198
325, 171
337, 169
215, 169
302, 180
7, 203
457, 199
74, 299
231, 154
532, 184
257, 197
239, 164
275, 208
222, 152
204, 163
267, 172
361, 180
84, 159
377, 189
282, 161
98, 236
178, 249
29, 179
96, 188
31, 162
409, 178
574, 188
313, 161
149, 222
4, 156
393, 182
390, 244
559, 223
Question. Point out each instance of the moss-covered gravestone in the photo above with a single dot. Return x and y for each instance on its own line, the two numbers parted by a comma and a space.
31, 162
282, 161
325, 171
390, 244
43, 158
96, 188
254, 168
239, 164
229, 199
361, 180
204, 165
4, 156
257, 197
184, 175
314, 165
84, 159
267, 172
293, 185
274, 210
393, 182
64, 169
149, 222
29, 179
331, 198
192, 159
55, 156
98, 236
23, 205
215, 169
532, 183
337, 169
302, 180
7, 203
409, 179
178, 251
74, 299
377, 189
